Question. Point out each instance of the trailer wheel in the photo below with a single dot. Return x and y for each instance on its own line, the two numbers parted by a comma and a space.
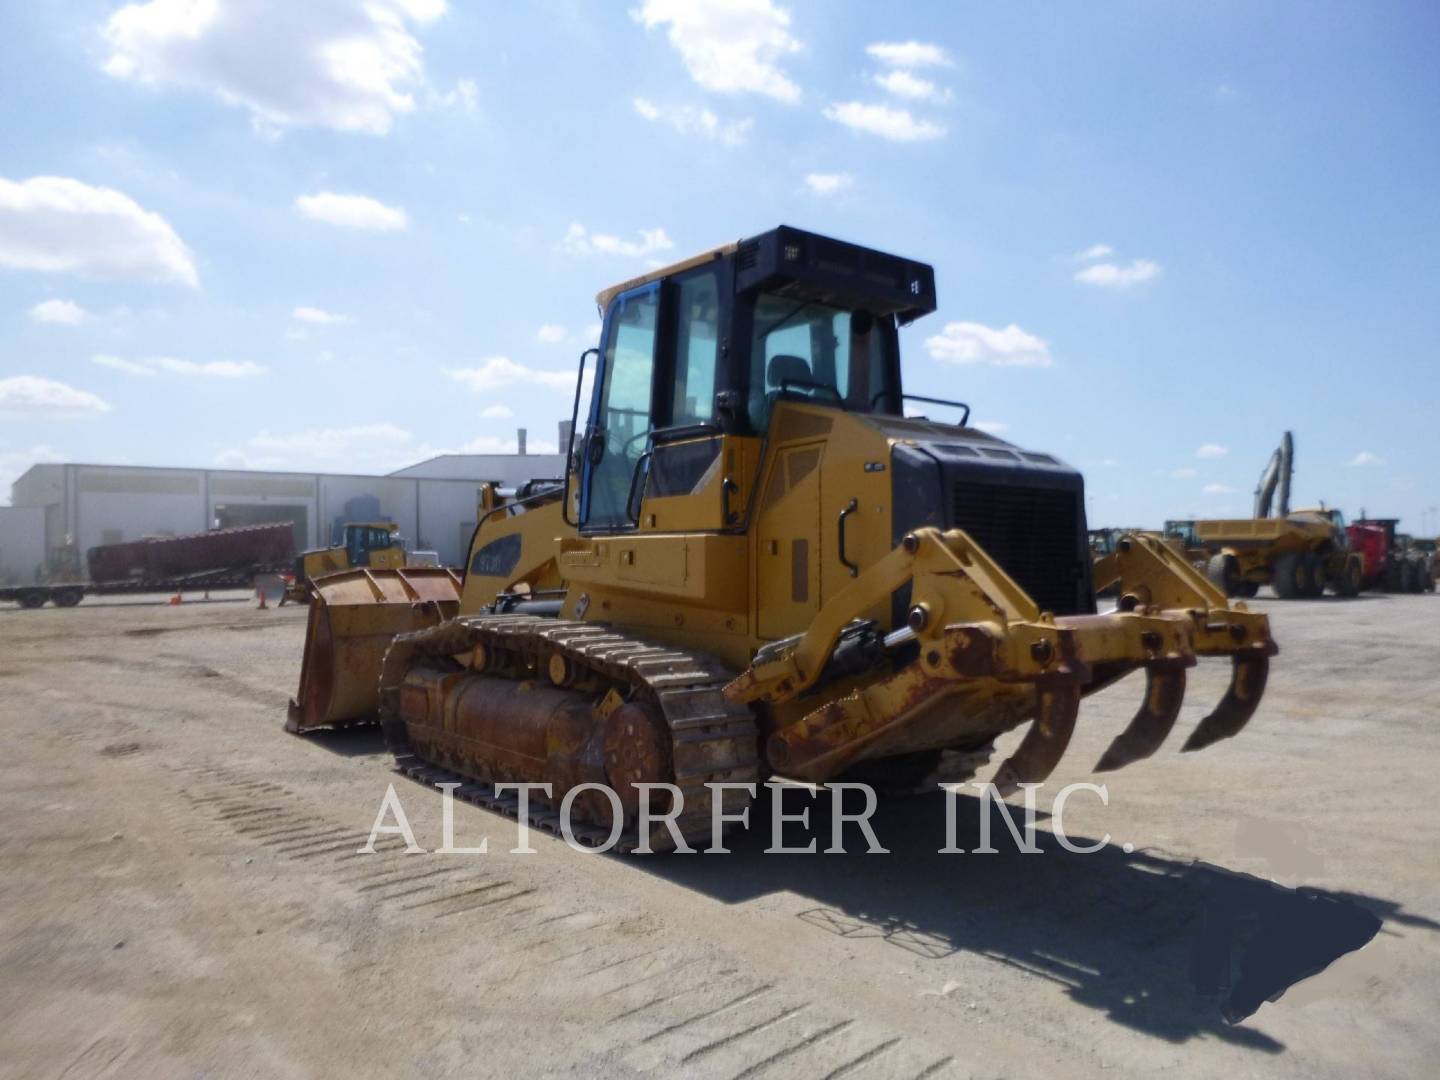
68, 597
31, 600
1288, 579
1224, 573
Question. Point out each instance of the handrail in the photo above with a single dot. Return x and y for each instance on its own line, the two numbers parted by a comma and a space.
570, 450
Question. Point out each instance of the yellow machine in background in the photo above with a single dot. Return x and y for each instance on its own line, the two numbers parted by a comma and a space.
1298, 554
759, 565
375, 544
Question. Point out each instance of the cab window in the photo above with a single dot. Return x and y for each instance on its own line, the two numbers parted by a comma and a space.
806, 349
697, 341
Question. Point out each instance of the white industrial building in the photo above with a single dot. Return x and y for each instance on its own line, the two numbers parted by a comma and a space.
76, 506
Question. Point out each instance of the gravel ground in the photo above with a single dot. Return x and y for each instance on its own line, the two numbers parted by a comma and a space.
181, 891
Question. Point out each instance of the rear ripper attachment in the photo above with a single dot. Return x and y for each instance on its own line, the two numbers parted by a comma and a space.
520, 698
983, 652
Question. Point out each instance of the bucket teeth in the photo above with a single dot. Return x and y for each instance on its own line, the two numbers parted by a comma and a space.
1164, 691
1247, 687
1044, 744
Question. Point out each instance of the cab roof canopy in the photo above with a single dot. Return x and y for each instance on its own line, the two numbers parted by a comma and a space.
804, 264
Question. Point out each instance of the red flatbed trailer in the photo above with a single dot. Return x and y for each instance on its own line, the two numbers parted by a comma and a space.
219, 559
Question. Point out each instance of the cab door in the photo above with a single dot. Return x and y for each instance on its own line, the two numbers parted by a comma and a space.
621, 410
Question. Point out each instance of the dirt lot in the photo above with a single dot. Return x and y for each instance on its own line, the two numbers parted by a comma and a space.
180, 892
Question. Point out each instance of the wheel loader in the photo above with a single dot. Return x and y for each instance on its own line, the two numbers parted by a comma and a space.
759, 565
366, 543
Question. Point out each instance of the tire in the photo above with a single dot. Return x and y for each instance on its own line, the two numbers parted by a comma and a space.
1430, 573
31, 600
1409, 579
1287, 577
1315, 576
1224, 573
1351, 580
1246, 590
68, 597
1394, 576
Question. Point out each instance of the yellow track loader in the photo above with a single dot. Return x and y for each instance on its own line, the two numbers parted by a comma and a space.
759, 565
367, 543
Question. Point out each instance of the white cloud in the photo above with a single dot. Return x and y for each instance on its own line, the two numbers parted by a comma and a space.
61, 312
318, 316
496, 412
350, 65
465, 96
1211, 450
1218, 489
30, 397
551, 334
1366, 457
578, 241
1184, 474
975, 343
728, 46
992, 427
215, 369
351, 211
904, 84
689, 120
1093, 252
119, 363
827, 184
908, 54
59, 225
496, 372
898, 125
1113, 276
495, 444
381, 447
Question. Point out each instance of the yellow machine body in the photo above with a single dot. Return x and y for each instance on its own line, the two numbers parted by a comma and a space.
802, 581
373, 544
1299, 555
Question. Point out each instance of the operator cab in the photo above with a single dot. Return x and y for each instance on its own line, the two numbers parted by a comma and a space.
701, 350
363, 538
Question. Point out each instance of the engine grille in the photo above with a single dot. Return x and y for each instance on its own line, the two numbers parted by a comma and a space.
1033, 533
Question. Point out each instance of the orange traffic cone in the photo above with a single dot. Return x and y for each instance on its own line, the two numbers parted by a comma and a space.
263, 606
175, 600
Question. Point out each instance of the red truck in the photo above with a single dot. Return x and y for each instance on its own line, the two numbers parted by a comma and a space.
1388, 565
219, 559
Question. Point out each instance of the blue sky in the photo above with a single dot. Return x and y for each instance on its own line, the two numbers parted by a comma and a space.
344, 236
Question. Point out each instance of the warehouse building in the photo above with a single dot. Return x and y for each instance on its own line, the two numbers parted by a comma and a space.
58, 511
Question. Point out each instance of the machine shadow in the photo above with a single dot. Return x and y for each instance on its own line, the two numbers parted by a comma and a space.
358, 740
1170, 948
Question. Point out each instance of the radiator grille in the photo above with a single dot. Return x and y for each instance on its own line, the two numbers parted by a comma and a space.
1033, 534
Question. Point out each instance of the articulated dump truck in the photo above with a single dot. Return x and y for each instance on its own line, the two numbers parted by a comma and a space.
759, 566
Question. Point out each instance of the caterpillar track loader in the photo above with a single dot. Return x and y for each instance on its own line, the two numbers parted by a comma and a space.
759, 565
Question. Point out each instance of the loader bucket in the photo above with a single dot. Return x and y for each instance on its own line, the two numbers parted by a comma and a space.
354, 616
